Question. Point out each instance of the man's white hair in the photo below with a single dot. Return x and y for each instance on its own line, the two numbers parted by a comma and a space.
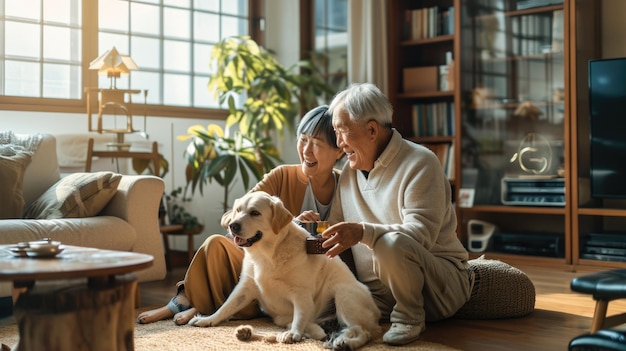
363, 102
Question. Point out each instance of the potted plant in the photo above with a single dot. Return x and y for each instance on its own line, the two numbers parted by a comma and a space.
262, 97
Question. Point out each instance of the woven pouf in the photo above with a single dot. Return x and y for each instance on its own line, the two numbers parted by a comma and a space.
500, 291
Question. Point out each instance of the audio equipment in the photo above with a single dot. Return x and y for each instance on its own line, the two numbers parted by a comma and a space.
533, 192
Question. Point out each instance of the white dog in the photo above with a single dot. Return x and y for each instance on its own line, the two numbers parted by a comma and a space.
293, 287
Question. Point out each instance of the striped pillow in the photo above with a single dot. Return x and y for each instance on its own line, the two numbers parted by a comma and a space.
77, 195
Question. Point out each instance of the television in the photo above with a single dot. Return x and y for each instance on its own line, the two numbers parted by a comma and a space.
607, 132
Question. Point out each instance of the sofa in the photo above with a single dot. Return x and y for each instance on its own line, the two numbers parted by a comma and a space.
125, 218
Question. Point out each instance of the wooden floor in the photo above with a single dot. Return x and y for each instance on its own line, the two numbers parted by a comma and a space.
559, 316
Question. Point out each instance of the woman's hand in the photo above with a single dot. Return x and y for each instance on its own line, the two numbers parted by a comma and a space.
308, 216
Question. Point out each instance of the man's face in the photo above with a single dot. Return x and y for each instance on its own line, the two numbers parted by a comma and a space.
356, 140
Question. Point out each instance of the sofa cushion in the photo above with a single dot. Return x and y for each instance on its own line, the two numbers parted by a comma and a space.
43, 171
13, 163
77, 195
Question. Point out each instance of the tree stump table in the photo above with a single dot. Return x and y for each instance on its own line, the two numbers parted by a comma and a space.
82, 299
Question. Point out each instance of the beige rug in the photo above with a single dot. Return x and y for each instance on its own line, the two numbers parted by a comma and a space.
164, 335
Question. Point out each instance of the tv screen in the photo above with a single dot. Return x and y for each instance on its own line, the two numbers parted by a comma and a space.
607, 103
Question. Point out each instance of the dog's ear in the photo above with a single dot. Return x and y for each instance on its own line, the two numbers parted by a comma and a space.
226, 218
281, 217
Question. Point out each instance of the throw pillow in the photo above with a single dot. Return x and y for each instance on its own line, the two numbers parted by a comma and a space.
75, 196
13, 163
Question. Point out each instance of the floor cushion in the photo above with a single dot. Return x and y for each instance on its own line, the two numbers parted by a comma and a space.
499, 291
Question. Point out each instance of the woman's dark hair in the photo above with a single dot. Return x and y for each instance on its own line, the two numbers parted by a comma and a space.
318, 123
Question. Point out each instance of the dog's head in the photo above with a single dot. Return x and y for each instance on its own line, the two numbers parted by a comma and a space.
254, 215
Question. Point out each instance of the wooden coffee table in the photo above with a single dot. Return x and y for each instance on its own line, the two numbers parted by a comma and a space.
82, 299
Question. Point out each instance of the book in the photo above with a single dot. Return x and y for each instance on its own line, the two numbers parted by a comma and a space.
449, 168
443, 78
433, 119
428, 22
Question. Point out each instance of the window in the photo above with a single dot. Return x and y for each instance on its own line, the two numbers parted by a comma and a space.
41, 55
329, 29
169, 40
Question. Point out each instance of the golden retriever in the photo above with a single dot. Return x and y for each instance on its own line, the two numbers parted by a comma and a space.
293, 287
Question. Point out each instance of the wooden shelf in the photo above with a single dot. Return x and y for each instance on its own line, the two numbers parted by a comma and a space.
427, 94
429, 41
517, 209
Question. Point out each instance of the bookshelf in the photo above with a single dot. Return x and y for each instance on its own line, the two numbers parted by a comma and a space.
515, 83
422, 79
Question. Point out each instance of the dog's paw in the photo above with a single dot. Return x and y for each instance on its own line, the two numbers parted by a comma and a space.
288, 337
244, 332
348, 339
202, 321
337, 345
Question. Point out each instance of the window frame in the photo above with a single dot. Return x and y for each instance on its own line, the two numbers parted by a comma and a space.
89, 43
308, 38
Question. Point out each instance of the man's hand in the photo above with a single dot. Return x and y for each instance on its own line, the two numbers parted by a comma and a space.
341, 237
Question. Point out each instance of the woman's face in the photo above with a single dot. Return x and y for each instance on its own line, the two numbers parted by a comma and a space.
316, 155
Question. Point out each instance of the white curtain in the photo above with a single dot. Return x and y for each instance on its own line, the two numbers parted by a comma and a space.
367, 46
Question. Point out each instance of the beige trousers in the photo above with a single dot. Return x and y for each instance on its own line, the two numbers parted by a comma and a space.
212, 275
415, 286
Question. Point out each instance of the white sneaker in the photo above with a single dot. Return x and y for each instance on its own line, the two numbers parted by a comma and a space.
401, 334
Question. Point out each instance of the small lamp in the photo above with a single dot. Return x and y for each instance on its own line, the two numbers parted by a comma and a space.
113, 65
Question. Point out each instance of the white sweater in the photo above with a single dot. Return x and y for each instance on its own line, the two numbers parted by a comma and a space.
407, 191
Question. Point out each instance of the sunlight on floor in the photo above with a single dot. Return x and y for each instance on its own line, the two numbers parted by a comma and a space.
578, 304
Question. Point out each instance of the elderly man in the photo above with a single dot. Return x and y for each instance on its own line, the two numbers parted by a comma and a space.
397, 217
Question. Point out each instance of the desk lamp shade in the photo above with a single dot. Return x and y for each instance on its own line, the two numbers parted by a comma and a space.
111, 64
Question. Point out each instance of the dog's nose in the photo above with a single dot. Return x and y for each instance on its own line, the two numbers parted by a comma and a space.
235, 227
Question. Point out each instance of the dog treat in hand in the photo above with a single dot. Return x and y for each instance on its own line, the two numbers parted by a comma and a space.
314, 245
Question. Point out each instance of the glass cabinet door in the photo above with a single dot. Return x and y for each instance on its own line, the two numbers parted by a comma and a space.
512, 81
